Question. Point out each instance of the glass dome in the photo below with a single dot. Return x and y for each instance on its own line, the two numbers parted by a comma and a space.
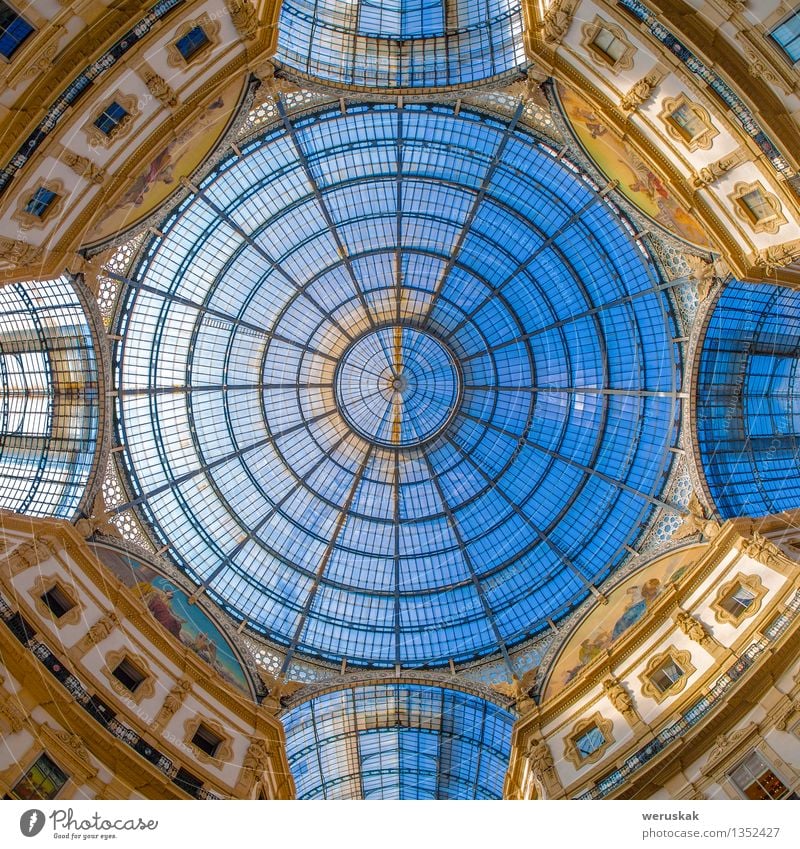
49, 402
398, 741
748, 400
397, 386
402, 44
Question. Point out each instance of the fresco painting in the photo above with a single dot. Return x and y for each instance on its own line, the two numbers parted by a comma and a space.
627, 604
619, 161
169, 606
177, 158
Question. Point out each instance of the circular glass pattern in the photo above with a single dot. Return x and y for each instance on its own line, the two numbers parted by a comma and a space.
397, 386
248, 338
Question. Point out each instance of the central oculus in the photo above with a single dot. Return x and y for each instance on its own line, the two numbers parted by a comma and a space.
397, 386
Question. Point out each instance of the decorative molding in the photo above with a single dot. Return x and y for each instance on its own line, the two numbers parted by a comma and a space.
641, 91
82, 166
749, 582
695, 630
697, 520
769, 223
700, 140
244, 17
172, 702
589, 33
98, 632
770, 259
622, 701
556, 21
210, 28
158, 87
710, 173
684, 661
604, 726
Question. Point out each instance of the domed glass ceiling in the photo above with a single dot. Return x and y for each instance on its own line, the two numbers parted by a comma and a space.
393, 741
403, 44
748, 400
397, 385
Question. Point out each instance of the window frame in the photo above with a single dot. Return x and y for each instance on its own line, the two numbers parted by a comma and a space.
781, 48
756, 778
33, 765
8, 58
681, 659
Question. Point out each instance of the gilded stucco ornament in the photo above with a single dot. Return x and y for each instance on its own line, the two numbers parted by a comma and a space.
762, 550
694, 629
100, 630
160, 88
697, 521
20, 253
244, 17
173, 700
712, 172
622, 700
777, 256
277, 688
16, 718
519, 690
83, 167
557, 20
640, 92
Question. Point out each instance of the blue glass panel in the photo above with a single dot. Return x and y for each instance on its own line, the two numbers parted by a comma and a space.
748, 400
398, 742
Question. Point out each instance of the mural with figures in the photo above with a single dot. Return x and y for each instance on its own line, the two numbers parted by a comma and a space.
170, 607
606, 623
619, 161
178, 157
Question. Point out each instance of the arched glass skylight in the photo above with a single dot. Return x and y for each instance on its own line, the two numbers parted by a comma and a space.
402, 43
397, 385
393, 741
48, 392
748, 400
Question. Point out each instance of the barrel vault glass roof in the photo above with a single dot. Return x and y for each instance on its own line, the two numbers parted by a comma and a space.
403, 44
48, 398
748, 400
397, 385
393, 741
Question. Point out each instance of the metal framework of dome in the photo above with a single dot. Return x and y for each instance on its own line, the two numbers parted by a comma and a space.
397, 385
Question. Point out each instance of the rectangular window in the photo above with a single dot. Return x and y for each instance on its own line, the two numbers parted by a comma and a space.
787, 36
41, 201
129, 675
686, 122
194, 40
206, 740
589, 741
756, 779
112, 116
57, 601
14, 29
666, 675
607, 43
42, 781
756, 205
738, 600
